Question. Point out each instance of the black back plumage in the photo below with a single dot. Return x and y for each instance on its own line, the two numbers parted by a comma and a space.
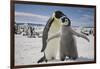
45, 33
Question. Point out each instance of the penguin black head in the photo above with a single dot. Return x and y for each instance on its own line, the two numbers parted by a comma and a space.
58, 14
65, 21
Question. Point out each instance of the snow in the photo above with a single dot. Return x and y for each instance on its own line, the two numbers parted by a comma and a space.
27, 50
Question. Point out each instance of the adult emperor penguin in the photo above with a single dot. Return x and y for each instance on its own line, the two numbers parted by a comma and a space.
53, 26
67, 41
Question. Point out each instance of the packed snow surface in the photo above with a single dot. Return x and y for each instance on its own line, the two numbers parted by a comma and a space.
28, 50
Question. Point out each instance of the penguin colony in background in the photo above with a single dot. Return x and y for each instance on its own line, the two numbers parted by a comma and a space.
58, 34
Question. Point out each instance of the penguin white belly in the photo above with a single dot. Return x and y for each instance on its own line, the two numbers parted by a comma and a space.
53, 45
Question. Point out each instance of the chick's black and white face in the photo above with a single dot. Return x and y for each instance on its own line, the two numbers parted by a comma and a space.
65, 21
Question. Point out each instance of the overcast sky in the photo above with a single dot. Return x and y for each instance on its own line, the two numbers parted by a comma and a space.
39, 14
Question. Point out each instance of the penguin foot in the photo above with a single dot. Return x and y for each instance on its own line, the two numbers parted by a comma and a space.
62, 59
52, 58
46, 60
73, 58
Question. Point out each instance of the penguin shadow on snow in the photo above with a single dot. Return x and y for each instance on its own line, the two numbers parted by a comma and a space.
84, 59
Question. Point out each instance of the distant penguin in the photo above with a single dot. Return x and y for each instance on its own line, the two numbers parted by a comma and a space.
30, 32
67, 41
53, 26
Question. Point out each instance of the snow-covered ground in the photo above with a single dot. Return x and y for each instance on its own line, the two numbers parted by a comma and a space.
27, 50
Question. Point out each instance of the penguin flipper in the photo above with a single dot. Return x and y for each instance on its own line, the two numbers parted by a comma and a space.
80, 35
45, 33
56, 35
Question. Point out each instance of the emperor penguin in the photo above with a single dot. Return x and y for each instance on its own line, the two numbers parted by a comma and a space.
53, 26
67, 42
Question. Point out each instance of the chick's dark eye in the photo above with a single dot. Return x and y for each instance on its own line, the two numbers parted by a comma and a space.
64, 20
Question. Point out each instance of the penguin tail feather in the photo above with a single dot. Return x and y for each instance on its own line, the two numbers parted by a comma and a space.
42, 59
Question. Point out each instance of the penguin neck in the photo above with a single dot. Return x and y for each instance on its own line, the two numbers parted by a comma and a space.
57, 23
64, 27
55, 26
